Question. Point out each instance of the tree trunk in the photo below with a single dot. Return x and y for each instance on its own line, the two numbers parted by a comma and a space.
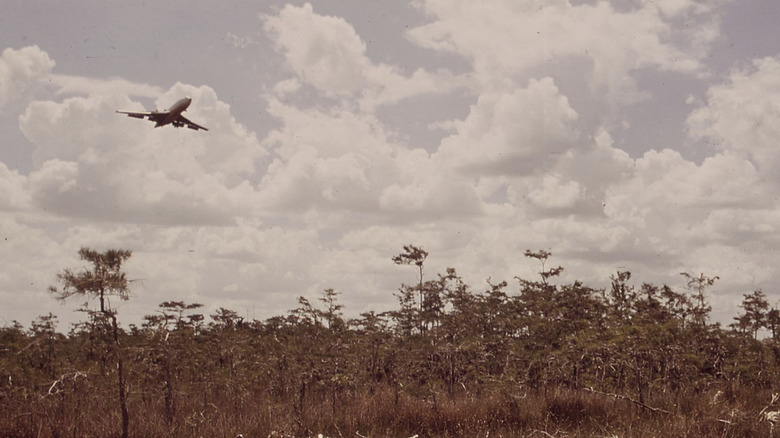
121, 375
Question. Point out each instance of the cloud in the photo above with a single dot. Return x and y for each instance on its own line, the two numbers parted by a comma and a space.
424, 189
73, 129
69, 85
521, 170
94, 163
240, 42
743, 115
329, 193
554, 193
512, 133
55, 178
14, 188
287, 86
31, 256
339, 159
328, 159
323, 50
672, 208
326, 53
508, 39
226, 262
667, 189
21, 71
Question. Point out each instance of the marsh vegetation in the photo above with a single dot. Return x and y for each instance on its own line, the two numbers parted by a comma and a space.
526, 357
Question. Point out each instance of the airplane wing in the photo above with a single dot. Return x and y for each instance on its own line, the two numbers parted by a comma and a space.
154, 116
182, 121
160, 116
137, 115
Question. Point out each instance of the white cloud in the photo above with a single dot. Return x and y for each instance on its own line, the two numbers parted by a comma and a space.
554, 193
287, 86
668, 189
74, 129
339, 159
671, 209
240, 42
31, 255
326, 159
13, 186
744, 115
512, 133
506, 39
327, 53
21, 71
323, 50
69, 85
329, 194
109, 166
423, 188
55, 178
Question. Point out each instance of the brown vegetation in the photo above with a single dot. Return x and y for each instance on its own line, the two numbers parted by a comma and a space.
539, 359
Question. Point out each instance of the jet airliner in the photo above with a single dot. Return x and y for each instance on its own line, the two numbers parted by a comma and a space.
172, 116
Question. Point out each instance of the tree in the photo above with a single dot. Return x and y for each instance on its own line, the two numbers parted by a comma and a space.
171, 321
44, 331
756, 307
408, 316
676, 304
622, 296
332, 313
773, 322
412, 255
104, 279
698, 285
542, 255
226, 319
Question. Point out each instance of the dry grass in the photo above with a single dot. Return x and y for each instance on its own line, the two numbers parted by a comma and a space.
86, 411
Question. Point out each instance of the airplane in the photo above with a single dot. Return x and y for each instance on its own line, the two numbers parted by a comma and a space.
171, 116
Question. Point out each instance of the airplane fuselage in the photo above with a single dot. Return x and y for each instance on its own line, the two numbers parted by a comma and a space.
172, 116
174, 112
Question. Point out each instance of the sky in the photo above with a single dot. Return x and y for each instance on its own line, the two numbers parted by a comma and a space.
620, 135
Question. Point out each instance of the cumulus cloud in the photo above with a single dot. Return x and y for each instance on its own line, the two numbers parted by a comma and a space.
327, 53
743, 115
512, 133
670, 205
13, 186
521, 163
31, 255
69, 85
325, 159
287, 86
21, 71
339, 159
225, 263
508, 39
95, 163
552, 193
424, 188
55, 178
323, 50
327, 195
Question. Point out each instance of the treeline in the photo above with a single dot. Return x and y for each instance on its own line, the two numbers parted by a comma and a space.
519, 358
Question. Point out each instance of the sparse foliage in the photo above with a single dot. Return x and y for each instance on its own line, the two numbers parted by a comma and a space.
540, 356
104, 279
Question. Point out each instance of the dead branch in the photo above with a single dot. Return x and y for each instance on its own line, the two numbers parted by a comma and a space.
625, 397
68, 376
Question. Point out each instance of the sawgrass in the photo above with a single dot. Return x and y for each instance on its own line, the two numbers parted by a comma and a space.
507, 412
